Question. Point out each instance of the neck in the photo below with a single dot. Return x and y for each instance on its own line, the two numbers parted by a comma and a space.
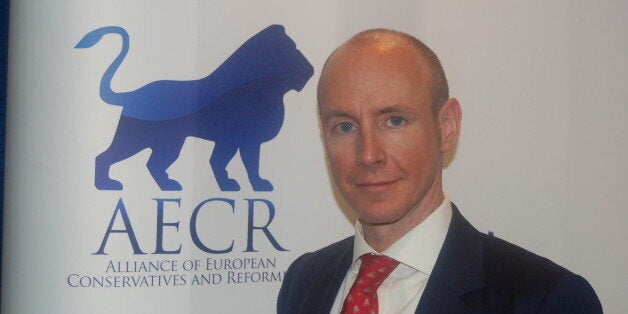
382, 236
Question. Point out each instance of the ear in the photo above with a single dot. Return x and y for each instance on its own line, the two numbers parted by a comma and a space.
449, 120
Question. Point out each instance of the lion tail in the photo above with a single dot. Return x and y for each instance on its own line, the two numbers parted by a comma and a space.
93, 37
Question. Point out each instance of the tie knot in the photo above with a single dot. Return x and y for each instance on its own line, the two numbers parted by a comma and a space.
368, 260
362, 297
374, 270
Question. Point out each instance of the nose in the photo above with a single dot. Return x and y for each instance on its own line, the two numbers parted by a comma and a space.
370, 150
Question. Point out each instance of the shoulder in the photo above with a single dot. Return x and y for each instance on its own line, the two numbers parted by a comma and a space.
313, 262
530, 280
315, 271
510, 266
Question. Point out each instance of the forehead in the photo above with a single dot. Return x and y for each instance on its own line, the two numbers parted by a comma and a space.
373, 75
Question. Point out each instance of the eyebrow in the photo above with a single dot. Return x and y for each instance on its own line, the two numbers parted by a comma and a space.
342, 114
334, 114
392, 109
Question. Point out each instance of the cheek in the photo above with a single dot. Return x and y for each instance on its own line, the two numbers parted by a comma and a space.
414, 152
339, 157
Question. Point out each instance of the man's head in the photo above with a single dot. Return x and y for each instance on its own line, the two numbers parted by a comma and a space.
386, 122
439, 88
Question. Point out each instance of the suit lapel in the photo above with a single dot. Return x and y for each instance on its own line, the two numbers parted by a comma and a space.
324, 286
459, 269
438, 298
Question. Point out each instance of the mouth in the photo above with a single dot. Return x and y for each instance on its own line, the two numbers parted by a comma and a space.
375, 186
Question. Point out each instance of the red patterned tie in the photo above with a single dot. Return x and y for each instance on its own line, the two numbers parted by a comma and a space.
362, 297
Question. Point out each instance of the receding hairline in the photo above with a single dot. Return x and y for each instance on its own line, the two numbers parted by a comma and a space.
438, 88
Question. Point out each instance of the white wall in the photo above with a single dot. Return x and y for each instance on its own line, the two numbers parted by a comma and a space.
543, 155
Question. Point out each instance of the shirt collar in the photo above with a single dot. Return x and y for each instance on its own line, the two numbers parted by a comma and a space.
419, 247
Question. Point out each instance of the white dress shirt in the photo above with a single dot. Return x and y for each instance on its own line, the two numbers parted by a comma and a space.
416, 251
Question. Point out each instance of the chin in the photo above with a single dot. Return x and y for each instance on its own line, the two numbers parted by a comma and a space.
378, 217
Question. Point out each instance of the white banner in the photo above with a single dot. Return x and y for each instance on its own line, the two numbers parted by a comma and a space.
168, 151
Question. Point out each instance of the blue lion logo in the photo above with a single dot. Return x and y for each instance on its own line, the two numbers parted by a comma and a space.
239, 106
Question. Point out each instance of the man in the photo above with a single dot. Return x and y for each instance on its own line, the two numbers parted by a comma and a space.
387, 120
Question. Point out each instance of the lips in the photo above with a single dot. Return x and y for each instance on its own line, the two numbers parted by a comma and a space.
374, 186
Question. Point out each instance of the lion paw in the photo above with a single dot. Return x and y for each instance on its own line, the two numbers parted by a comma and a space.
262, 185
170, 185
229, 185
108, 184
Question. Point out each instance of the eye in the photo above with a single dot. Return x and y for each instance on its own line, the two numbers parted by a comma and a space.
395, 121
344, 127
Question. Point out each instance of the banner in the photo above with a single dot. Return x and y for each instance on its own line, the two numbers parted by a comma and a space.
163, 155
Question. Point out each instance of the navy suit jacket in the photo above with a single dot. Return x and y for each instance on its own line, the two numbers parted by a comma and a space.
474, 273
